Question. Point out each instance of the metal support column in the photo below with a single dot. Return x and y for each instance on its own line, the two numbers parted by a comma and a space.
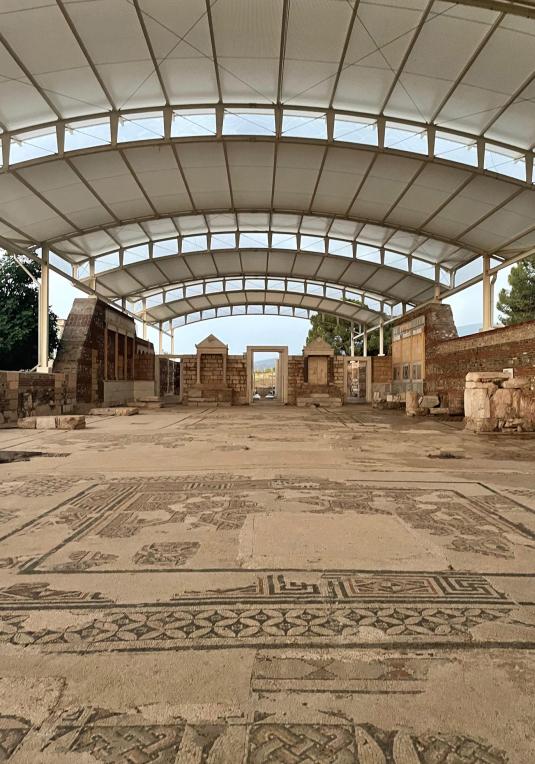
160, 339
352, 340
365, 342
381, 339
43, 338
487, 295
144, 303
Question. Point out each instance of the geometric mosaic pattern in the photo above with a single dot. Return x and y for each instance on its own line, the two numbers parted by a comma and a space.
197, 626
114, 738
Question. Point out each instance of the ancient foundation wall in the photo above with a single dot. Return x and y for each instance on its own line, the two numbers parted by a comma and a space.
448, 362
24, 394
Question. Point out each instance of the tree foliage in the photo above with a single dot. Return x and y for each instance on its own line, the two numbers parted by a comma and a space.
19, 310
337, 333
518, 303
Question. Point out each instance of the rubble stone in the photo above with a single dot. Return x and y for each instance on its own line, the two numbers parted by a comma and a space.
70, 422
26, 423
111, 411
430, 401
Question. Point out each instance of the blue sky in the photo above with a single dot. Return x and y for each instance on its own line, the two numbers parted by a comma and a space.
240, 331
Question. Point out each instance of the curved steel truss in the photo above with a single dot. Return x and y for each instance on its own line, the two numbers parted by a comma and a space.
345, 143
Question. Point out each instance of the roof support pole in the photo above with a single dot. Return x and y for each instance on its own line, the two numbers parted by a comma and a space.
160, 339
488, 295
352, 340
436, 295
172, 340
144, 304
381, 338
44, 293
365, 342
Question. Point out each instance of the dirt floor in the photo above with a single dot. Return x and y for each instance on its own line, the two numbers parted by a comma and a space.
267, 585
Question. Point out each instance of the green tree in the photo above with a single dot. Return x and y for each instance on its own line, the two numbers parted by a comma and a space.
337, 333
518, 303
19, 305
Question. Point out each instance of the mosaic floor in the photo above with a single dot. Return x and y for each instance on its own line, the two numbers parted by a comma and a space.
285, 586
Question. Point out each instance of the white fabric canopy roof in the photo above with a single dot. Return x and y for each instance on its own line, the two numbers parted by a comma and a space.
443, 70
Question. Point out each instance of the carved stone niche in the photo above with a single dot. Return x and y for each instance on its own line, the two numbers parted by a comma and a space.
211, 384
317, 356
318, 388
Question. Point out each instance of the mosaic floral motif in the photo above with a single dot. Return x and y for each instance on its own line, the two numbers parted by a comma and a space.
171, 553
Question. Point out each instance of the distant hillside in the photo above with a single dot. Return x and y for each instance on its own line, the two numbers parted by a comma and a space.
265, 363
468, 329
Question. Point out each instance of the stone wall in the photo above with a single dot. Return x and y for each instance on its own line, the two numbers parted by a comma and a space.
448, 362
25, 394
102, 359
237, 379
81, 353
296, 377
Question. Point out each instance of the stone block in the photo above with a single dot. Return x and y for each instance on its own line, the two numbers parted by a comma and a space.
515, 383
486, 376
26, 423
71, 422
45, 422
119, 411
430, 401
440, 411
502, 404
476, 404
411, 403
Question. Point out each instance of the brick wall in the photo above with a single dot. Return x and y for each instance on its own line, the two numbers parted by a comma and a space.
211, 369
24, 394
381, 369
296, 373
237, 379
448, 362
80, 354
86, 355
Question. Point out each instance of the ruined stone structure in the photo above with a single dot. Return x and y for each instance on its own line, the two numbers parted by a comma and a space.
496, 401
28, 394
104, 362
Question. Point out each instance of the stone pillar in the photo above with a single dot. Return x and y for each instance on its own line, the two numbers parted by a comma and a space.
43, 338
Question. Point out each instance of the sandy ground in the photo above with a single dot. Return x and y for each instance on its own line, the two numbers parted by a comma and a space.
265, 585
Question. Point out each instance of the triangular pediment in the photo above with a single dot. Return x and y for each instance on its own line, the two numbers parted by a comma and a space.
211, 342
318, 346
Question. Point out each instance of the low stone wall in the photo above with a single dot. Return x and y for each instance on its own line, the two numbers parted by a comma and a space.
494, 401
448, 362
28, 394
